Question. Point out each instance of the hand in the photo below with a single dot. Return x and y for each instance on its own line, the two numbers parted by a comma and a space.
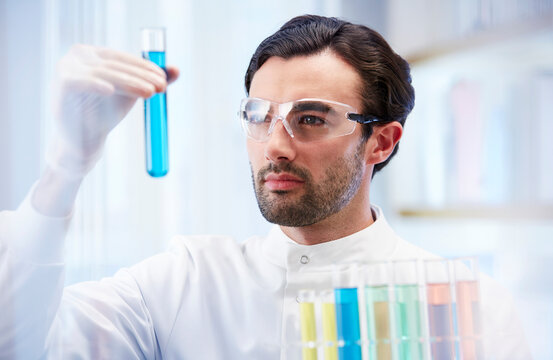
95, 89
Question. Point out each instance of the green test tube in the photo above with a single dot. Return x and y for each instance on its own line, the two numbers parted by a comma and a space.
377, 301
408, 319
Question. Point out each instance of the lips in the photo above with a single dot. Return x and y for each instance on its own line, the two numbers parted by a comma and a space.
282, 182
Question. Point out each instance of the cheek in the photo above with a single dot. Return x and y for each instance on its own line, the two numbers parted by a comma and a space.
255, 154
317, 159
325, 157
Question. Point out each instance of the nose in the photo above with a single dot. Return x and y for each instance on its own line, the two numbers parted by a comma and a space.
280, 146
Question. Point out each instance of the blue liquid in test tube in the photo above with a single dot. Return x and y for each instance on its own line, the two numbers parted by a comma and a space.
155, 108
347, 323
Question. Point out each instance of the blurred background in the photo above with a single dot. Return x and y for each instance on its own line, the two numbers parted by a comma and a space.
473, 175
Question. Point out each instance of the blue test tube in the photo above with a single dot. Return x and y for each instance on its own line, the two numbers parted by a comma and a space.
155, 108
347, 321
345, 281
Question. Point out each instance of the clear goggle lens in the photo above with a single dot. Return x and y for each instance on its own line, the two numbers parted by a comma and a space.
304, 120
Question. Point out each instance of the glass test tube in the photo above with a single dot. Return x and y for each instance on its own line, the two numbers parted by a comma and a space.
465, 273
408, 317
345, 280
306, 299
440, 309
329, 325
377, 278
155, 108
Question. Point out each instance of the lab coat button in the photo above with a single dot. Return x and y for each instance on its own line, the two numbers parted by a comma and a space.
304, 259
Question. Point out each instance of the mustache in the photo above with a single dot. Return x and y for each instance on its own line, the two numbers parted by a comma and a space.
283, 167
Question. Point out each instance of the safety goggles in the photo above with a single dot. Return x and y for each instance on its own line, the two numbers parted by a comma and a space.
305, 119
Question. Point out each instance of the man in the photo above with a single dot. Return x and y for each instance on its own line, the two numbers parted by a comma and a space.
326, 107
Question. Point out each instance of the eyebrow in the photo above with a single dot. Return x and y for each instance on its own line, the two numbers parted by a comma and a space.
311, 105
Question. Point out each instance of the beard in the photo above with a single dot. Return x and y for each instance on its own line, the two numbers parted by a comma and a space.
339, 185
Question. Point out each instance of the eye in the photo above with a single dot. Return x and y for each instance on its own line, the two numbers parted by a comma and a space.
311, 120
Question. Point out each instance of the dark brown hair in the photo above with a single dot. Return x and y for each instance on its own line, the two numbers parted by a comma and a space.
386, 81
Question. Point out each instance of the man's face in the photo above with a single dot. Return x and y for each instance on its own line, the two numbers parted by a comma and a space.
302, 183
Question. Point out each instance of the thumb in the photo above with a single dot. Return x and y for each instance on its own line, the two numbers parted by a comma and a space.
172, 73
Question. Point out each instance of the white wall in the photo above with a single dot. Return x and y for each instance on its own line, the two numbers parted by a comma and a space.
20, 72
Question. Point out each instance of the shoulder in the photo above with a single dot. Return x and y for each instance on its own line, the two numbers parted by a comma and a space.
190, 262
503, 331
202, 245
188, 254
406, 250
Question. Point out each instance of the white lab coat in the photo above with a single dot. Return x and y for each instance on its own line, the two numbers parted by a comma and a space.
207, 297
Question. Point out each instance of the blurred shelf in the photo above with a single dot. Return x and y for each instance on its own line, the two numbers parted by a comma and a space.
483, 38
533, 212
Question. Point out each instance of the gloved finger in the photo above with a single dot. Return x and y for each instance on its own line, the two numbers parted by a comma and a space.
154, 78
88, 84
125, 84
172, 73
110, 54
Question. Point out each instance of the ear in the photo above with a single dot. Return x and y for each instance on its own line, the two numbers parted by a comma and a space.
382, 142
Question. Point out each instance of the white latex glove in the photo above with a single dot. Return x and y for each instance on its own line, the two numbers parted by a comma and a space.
95, 88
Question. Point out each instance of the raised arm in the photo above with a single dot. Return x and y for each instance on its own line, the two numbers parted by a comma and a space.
95, 88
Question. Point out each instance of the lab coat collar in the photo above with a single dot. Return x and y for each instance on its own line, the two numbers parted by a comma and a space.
376, 242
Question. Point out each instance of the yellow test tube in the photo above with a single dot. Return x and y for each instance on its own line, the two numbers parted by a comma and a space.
306, 299
329, 325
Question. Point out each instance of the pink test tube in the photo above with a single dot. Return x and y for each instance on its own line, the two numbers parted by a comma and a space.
465, 273
440, 309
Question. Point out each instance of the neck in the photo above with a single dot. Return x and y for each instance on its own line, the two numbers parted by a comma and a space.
336, 226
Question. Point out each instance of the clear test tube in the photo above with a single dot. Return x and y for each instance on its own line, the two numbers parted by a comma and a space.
328, 314
465, 274
308, 325
440, 309
378, 278
346, 281
155, 108
408, 310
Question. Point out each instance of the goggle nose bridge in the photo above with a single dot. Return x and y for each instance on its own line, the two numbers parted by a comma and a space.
285, 123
